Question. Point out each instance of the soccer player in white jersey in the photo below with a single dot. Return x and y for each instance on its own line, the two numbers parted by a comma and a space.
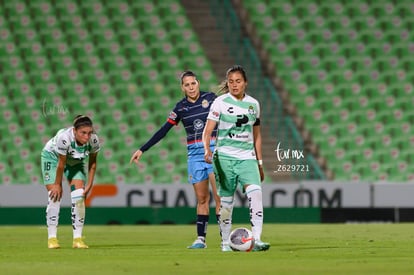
237, 158
65, 154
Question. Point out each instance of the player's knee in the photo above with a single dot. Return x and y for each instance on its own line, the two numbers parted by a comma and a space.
77, 195
203, 199
78, 202
226, 208
254, 192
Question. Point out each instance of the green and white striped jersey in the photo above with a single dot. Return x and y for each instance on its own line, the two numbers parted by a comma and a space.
235, 120
64, 143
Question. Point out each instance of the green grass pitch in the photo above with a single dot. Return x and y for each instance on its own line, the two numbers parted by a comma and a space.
161, 249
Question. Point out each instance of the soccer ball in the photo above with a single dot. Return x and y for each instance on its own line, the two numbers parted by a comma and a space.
241, 239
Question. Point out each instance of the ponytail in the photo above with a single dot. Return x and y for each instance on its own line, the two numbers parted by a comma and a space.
223, 88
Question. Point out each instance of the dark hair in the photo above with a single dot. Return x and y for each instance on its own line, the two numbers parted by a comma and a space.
187, 73
223, 88
236, 68
81, 120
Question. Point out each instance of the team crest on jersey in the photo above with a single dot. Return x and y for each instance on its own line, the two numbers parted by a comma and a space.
172, 116
251, 110
47, 176
198, 124
205, 103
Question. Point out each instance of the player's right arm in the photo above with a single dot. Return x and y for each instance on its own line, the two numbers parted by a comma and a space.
208, 130
160, 134
62, 147
212, 119
56, 190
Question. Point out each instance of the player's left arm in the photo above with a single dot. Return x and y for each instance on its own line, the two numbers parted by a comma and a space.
91, 172
257, 135
92, 163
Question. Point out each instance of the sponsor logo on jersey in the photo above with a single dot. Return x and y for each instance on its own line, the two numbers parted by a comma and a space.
242, 136
205, 103
216, 114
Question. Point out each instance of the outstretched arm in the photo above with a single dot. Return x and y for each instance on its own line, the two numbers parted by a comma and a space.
160, 134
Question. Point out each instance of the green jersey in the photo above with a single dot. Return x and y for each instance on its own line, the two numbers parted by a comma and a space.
64, 143
235, 119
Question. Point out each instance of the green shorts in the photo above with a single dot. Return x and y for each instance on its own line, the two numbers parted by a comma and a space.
231, 174
49, 164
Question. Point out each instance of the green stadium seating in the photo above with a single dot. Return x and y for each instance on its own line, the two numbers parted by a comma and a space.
117, 61
361, 51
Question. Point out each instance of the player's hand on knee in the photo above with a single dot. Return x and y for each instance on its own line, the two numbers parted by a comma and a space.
56, 192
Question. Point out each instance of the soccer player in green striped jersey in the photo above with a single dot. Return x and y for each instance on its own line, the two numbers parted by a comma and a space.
66, 154
237, 158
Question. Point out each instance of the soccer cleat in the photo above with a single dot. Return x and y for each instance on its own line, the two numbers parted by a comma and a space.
260, 246
53, 243
198, 244
226, 248
78, 243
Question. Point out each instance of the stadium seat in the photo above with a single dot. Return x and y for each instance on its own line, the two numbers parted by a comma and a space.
361, 52
102, 59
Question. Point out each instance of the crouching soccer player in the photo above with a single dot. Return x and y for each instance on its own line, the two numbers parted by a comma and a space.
65, 154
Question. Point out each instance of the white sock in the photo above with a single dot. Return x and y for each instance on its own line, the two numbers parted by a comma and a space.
226, 211
78, 212
254, 194
52, 216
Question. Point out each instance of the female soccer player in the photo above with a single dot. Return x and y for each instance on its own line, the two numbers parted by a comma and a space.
238, 157
65, 154
192, 111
